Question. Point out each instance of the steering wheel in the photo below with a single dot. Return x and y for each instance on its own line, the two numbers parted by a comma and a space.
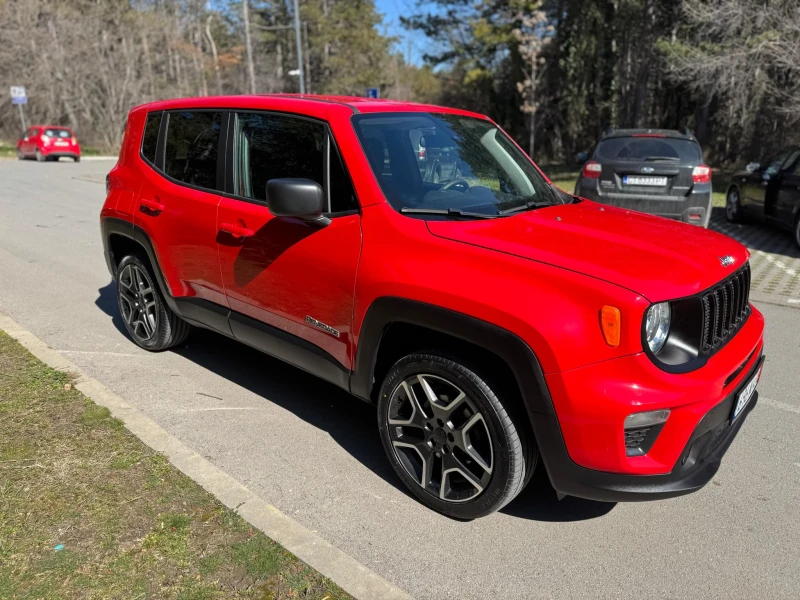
461, 185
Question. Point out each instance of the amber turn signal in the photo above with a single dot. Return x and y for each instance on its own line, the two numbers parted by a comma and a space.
610, 322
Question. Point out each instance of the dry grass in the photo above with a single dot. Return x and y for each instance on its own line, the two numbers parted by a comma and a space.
87, 511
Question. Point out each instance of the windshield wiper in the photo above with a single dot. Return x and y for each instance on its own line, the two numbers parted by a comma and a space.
670, 158
526, 206
447, 212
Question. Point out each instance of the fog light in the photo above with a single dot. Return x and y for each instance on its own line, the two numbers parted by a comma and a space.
641, 431
646, 419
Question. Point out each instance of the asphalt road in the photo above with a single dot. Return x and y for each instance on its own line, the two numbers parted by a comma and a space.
314, 452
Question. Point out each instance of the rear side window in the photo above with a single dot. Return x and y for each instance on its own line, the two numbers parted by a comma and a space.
192, 147
641, 148
150, 137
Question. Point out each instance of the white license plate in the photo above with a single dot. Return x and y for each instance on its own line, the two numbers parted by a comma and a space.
743, 397
639, 180
62, 143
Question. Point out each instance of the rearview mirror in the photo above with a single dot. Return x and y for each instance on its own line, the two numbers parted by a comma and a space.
297, 197
752, 167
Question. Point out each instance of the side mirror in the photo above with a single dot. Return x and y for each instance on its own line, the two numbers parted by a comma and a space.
297, 197
752, 167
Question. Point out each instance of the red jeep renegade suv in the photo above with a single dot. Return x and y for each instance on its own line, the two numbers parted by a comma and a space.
492, 318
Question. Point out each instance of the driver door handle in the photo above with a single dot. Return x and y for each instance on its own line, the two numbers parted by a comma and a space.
236, 230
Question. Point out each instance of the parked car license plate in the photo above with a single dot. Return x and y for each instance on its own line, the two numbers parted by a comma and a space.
640, 180
743, 397
62, 143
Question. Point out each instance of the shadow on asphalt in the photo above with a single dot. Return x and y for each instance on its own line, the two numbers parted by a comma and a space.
107, 302
349, 421
755, 235
538, 502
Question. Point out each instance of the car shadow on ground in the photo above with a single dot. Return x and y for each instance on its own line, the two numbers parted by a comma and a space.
107, 302
349, 421
755, 235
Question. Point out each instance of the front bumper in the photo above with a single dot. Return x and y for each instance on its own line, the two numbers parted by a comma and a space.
685, 208
698, 463
583, 446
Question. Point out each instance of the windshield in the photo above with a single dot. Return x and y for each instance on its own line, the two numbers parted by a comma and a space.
641, 148
427, 161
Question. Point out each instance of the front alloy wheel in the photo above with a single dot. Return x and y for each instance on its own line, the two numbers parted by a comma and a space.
450, 438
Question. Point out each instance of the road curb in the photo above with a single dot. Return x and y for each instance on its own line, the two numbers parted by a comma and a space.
342, 569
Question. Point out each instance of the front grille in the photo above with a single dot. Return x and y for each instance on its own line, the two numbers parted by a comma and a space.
726, 307
635, 437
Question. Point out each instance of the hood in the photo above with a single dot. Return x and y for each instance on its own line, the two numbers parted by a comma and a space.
652, 256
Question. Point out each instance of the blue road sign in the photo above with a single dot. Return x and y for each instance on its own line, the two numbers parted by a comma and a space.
18, 95
373, 93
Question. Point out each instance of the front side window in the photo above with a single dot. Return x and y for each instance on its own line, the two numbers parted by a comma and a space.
150, 137
269, 146
192, 147
445, 162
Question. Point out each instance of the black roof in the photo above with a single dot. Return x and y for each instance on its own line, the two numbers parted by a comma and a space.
670, 133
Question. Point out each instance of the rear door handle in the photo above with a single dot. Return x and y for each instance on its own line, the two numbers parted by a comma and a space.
151, 205
236, 230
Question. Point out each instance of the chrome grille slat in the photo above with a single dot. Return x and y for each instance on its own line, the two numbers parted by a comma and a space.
726, 306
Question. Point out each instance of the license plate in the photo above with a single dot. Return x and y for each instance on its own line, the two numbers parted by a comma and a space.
640, 180
744, 396
62, 143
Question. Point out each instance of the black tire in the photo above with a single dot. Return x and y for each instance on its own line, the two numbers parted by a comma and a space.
733, 205
39, 156
77, 159
797, 231
496, 456
156, 328
20, 155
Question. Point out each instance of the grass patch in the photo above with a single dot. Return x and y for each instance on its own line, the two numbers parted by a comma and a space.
87, 511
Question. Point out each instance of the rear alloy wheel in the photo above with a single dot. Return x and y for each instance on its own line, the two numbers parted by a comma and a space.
449, 437
20, 155
733, 207
148, 319
39, 156
797, 231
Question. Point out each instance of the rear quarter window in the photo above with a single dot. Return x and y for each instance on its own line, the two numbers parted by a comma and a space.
150, 136
640, 148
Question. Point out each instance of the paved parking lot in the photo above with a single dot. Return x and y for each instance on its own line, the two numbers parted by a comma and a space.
774, 260
313, 451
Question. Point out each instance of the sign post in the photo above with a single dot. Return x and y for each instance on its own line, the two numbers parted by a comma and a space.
373, 93
19, 97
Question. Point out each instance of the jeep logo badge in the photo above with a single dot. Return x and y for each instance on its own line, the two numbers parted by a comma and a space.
727, 260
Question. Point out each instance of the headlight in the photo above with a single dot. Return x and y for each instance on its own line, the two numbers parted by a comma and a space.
656, 325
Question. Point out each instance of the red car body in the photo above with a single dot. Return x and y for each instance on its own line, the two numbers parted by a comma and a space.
529, 288
48, 142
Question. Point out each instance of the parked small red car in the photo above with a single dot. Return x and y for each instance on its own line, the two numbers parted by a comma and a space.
493, 319
48, 142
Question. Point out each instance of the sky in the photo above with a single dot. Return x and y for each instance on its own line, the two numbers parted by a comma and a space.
411, 44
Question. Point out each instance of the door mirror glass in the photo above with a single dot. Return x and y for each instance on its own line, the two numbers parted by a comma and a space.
296, 197
752, 167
